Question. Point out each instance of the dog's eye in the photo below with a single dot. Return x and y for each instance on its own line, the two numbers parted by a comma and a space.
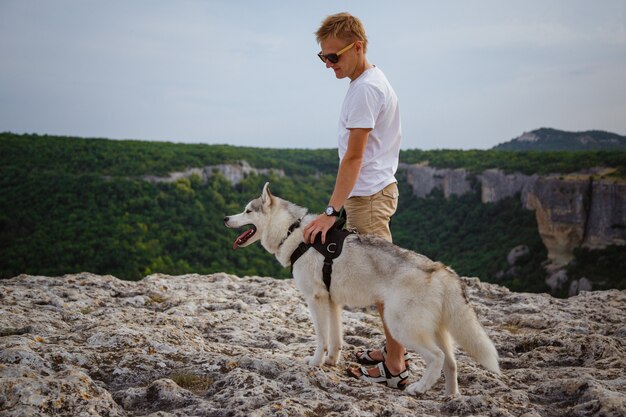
248, 211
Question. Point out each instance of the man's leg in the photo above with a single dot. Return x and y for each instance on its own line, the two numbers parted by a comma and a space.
371, 215
395, 351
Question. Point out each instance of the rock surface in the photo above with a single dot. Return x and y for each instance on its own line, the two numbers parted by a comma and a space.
219, 345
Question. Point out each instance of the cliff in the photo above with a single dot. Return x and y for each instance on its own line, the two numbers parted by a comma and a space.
424, 179
234, 173
573, 212
220, 345
586, 209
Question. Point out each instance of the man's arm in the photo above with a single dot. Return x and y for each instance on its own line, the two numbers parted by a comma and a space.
347, 175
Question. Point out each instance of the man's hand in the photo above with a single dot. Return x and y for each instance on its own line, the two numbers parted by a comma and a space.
321, 224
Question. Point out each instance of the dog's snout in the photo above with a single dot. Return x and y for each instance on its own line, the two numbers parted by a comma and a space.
226, 219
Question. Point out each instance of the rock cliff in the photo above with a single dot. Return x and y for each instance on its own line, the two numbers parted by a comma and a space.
496, 185
234, 173
219, 345
578, 210
424, 179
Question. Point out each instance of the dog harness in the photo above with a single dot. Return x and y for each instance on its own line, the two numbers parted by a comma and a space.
331, 249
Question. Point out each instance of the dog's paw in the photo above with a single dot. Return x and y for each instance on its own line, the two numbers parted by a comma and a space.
314, 361
332, 360
416, 388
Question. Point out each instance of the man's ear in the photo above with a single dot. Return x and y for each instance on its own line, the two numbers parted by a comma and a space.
266, 195
358, 45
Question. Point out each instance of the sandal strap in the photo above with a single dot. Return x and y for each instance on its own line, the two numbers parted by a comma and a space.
386, 377
365, 376
366, 356
404, 374
395, 381
383, 370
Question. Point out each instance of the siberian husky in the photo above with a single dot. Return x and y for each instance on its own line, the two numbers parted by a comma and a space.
425, 306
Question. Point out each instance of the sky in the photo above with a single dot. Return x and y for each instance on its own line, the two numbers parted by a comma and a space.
468, 74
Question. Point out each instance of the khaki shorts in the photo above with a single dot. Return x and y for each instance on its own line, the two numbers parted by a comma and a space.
371, 214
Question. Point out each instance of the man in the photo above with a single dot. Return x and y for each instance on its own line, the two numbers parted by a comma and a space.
369, 147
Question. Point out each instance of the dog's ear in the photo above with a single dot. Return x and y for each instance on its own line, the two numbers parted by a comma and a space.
266, 195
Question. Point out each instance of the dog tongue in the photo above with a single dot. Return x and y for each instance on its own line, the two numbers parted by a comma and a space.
243, 238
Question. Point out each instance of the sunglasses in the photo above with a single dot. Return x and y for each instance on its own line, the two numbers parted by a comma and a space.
334, 58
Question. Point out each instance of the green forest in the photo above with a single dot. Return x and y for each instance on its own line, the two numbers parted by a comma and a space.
71, 204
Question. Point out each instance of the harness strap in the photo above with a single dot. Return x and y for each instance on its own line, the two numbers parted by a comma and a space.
300, 250
331, 250
327, 272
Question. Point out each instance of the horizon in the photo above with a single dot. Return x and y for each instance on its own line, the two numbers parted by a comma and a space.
174, 142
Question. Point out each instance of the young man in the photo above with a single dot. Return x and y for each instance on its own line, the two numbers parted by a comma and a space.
369, 147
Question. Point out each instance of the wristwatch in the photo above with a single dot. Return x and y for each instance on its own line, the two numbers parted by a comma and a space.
330, 211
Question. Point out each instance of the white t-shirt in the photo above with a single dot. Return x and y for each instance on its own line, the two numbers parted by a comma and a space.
371, 103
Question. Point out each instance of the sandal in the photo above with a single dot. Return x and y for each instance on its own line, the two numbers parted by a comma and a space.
365, 358
385, 377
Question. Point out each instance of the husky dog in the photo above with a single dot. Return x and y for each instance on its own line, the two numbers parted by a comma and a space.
425, 306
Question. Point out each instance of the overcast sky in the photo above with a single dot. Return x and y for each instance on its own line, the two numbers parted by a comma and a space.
469, 74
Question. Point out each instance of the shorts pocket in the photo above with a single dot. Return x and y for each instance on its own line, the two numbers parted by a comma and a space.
391, 191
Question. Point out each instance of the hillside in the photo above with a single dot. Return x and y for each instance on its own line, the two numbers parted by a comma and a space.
546, 139
219, 345
131, 208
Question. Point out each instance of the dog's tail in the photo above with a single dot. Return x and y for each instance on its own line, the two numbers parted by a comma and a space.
464, 327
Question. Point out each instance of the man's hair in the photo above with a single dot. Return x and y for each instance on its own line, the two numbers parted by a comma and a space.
343, 26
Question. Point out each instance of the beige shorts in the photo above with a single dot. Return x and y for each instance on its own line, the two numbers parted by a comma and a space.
371, 214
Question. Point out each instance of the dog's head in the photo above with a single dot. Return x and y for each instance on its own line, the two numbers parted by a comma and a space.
254, 215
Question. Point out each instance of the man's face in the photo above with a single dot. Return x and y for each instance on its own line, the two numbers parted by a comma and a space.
347, 64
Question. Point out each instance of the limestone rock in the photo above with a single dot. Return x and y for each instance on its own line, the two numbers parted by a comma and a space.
234, 173
495, 185
219, 345
516, 253
425, 179
584, 209
557, 279
575, 212
579, 285
606, 223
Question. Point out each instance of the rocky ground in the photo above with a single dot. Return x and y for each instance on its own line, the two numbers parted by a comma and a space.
219, 345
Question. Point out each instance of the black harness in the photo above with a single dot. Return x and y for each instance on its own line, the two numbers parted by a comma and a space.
331, 249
